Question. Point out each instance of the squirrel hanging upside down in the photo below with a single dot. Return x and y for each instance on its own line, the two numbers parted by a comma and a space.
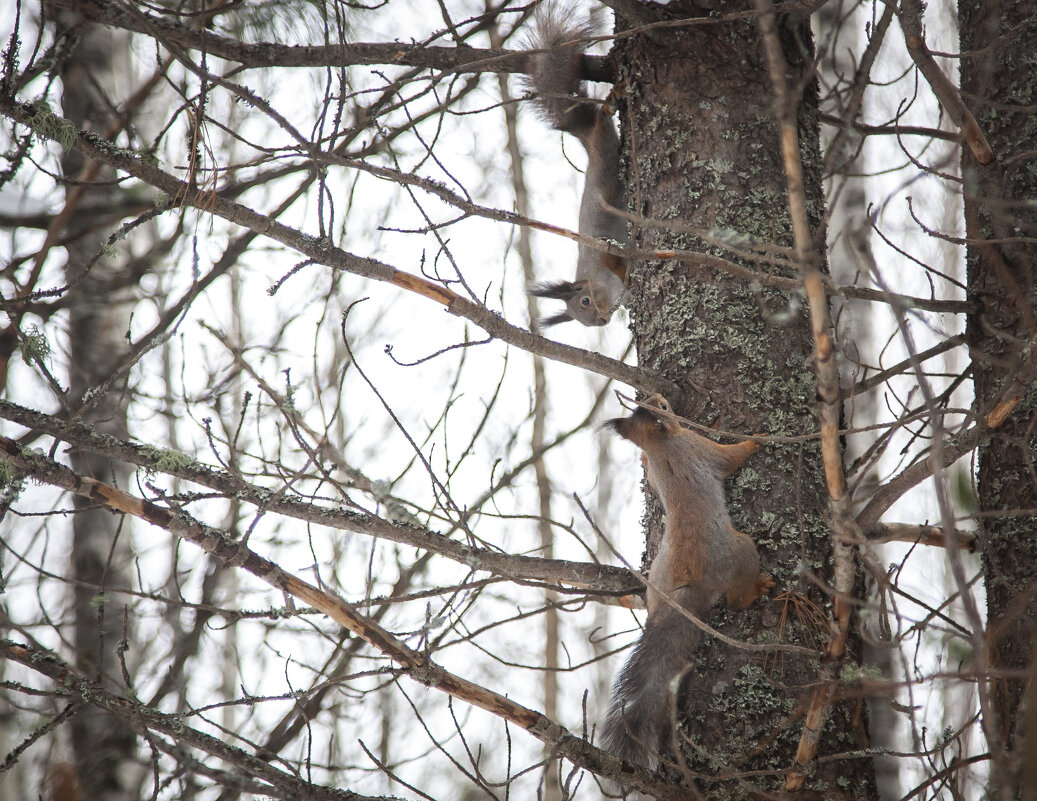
701, 558
555, 75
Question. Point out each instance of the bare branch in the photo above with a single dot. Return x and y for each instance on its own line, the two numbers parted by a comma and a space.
414, 663
138, 716
829, 397
910, 17
276, 54
323, 252
585, 576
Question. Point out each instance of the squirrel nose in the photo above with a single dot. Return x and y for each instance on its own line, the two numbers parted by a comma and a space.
602, 320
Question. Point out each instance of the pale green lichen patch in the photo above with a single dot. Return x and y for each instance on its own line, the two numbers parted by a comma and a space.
48, 125
174, 461
9, 476
34, 345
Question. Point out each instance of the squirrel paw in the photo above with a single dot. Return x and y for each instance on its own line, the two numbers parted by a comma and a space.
616, 93
631, 601
759, 587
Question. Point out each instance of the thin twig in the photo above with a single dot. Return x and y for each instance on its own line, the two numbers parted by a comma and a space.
416, 664
910, 18
323, 252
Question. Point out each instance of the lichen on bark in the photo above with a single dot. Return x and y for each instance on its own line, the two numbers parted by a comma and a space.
702, 149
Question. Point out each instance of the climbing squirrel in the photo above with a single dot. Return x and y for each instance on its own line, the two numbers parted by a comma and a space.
701, 558
561, 99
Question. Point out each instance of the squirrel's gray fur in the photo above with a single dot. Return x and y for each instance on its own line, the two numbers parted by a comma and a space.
641, 709
555, 77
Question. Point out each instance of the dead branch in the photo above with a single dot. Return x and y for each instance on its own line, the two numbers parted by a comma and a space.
275, 54
829, 396
923, 535
323, 252
138, 716
420, 667
910, 18
586, 576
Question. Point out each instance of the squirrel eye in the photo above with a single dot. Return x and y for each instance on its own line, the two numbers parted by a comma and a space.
585, 301
664, 406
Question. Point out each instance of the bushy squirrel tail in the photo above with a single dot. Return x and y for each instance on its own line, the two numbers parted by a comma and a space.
643, 694
555, 74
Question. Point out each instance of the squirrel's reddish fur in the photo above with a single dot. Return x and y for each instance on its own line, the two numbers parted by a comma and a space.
701, 559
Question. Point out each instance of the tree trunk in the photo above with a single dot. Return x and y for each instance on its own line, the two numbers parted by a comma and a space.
702, 149
97, 323
551, 790
1000, 85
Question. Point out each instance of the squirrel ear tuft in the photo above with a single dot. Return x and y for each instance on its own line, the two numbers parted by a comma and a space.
555, 319
560, 290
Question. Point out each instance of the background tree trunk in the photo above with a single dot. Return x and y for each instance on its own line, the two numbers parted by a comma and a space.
1000, 84
853, 319
702, 147
97, 324
551, 790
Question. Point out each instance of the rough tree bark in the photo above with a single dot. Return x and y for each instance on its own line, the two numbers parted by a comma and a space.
998, 40
703, 150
